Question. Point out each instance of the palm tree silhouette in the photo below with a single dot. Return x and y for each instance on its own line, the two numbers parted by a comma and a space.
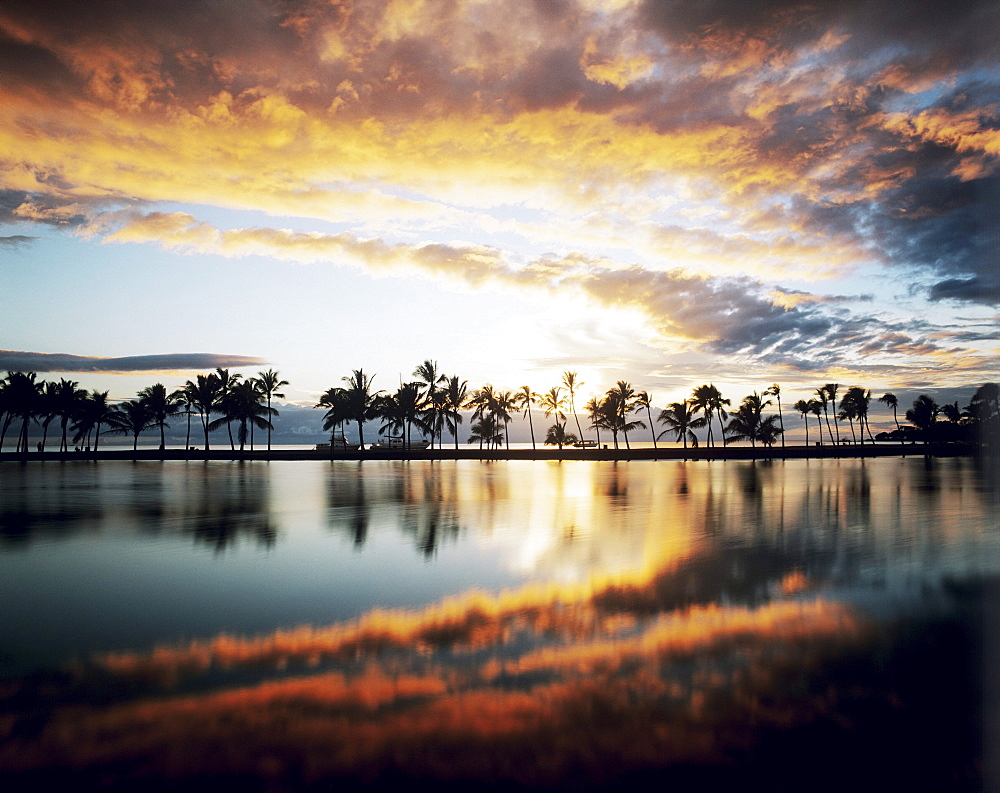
361, 399
48, 409
708, 400
644, 400
803, 407
244, 405
457, 392
889, 400
338, 411
680, 419
269, 382
553, 402
503, 405
775, 391
571, 383
593, 408
524, 398
130, 418
831, 392
556, 435
226, 384
816, 408
21, 397
746, 422
622, 397
69, 397
849, 412
824, 400
923, 415
431, 378
161, 406
204, 395
93, 413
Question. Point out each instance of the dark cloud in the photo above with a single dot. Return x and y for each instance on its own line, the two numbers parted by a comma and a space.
16, 360
16, 241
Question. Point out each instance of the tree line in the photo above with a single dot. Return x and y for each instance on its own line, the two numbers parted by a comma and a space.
432, 405
86, 416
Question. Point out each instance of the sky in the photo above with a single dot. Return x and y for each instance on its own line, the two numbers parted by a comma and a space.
742, 192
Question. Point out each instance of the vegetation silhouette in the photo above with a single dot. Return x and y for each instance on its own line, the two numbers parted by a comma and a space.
434, 403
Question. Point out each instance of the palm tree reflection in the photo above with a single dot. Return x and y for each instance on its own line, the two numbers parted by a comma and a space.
223, 505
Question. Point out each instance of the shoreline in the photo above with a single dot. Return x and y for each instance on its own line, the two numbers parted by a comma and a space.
718, 453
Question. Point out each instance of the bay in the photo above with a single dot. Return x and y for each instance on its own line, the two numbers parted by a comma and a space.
674, 584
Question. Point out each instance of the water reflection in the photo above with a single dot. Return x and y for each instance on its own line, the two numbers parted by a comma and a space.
806, 624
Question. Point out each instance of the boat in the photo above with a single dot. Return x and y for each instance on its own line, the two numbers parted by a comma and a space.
585, 444
339, 444
398, 443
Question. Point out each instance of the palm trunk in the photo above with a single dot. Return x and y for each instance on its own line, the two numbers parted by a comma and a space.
652, 432
781, 421
532, 428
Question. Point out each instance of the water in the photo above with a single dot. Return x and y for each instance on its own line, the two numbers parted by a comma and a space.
649, 621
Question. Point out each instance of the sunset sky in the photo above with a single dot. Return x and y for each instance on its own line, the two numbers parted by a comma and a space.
660, 191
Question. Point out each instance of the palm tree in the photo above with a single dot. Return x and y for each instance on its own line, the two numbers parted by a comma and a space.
338, 411
48, 408
68, 399
644, 400
485, 431
429, 376
269, 382
93, 413
571, 383
746, 423
889, 400
130, 418
679, 418
504, 403
556, 435
708, 400
849, 412
860, 399
204, 394
805, 409
824, 400
21, 397
768, 431
401, 411
923, 415
244, 405
161, 406
457, 392
361, 399
593, 408
623, 397
816, 408
436, 415
525, 398
553, 402
831, 392
775, 391
226, 384
183, 397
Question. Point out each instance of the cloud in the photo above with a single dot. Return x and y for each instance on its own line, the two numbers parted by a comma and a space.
16, 360
722, 315
16, 241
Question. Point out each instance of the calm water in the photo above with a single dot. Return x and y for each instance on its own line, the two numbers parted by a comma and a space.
541, 624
